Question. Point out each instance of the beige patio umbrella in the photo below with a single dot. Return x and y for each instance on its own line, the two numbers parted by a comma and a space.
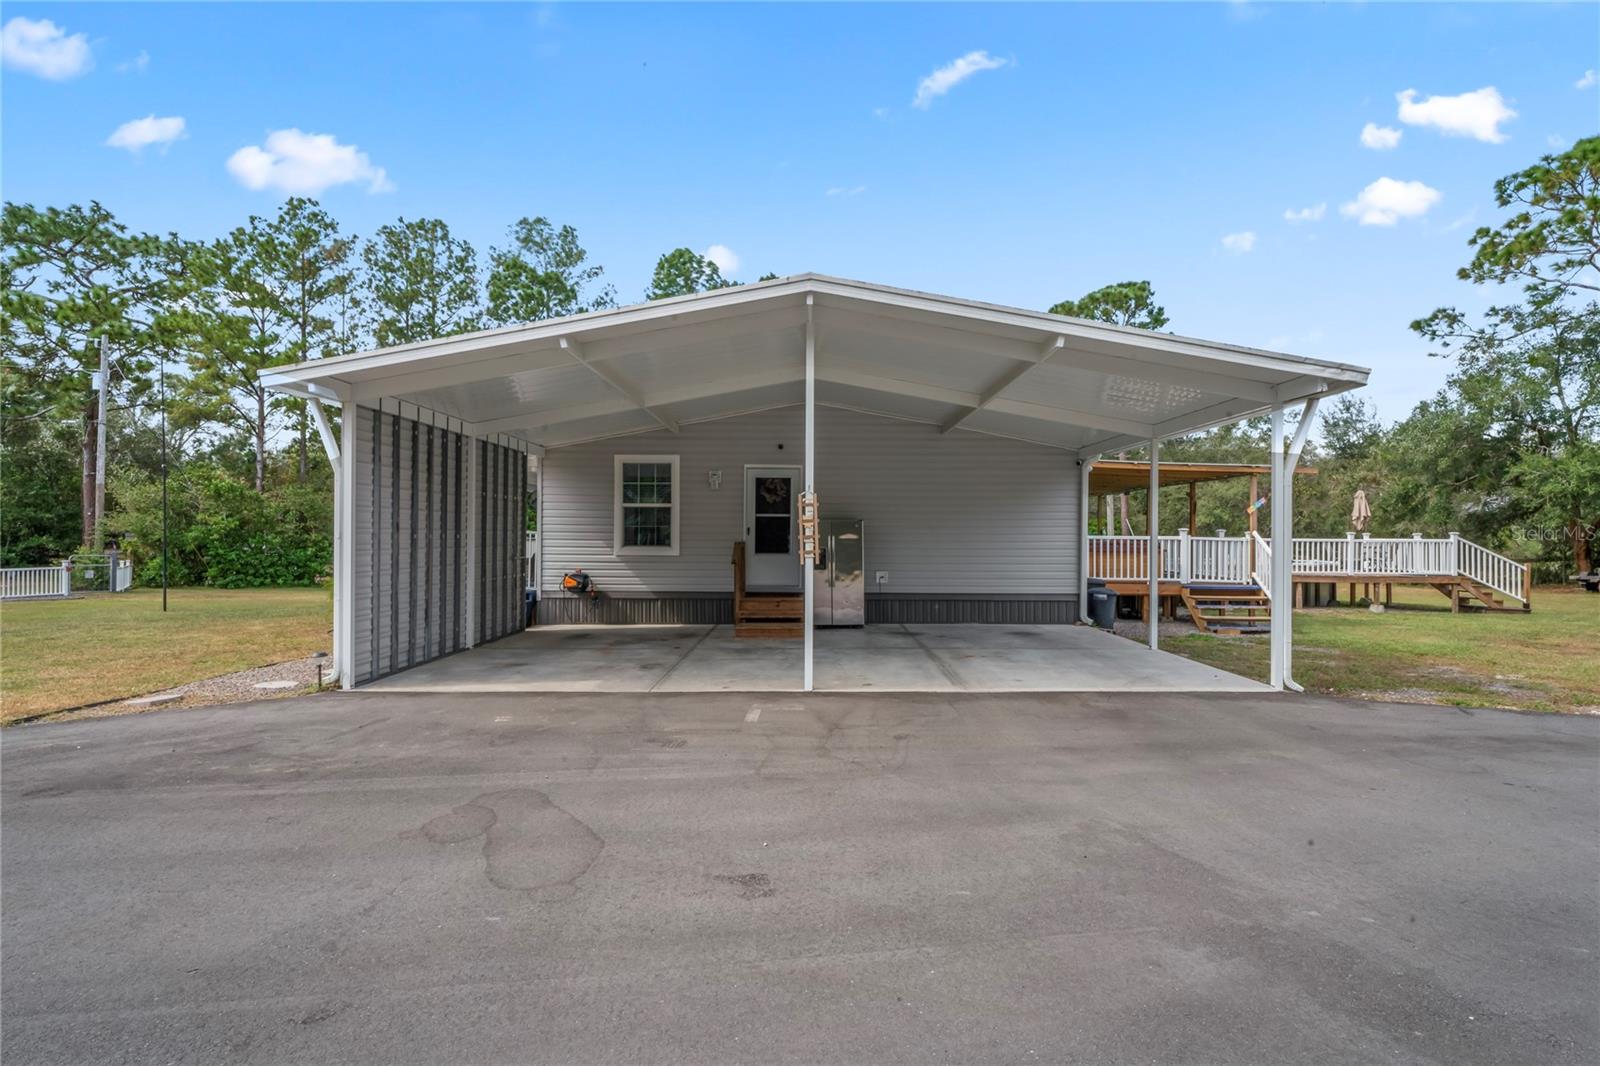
1360, 511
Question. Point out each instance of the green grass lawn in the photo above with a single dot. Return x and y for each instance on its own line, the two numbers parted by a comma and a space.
66, 653
1417, 651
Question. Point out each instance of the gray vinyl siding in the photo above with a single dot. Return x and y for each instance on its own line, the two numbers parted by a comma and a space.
413, 504
956, 514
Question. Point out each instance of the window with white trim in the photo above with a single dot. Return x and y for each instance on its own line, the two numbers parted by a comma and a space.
645, 515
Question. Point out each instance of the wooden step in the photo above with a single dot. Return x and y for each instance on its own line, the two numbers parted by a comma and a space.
772, 606
769, 630
1228, 611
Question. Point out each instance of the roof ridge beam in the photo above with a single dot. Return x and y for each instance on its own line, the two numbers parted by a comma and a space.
618, 383
1008, 379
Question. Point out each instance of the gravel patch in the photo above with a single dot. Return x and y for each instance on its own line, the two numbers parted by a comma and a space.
238, 687
1138, 631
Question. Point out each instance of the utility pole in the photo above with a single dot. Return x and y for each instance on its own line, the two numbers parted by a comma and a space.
100, 449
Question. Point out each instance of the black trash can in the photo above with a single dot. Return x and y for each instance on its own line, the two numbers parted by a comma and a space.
1103, 607
530, 608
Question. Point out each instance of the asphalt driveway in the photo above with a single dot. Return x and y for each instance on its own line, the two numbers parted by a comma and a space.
911, 878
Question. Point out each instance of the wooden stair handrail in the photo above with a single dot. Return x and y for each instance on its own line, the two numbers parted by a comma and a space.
738, 580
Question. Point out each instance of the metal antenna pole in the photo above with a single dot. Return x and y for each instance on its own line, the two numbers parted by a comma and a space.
163, 481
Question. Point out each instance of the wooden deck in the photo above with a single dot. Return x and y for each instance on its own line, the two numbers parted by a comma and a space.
1321, 590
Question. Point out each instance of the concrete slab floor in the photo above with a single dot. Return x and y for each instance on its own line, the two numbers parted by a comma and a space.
884, 658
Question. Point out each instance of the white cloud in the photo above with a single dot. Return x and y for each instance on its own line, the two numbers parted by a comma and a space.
726, 259
305, 164
1239, 243
1588, 81
1386, 201
143, 132
1558, 142
880, 113
1379, 138
137, 65
45, 49
846, 190
952, 74
1477, 114
1306, 214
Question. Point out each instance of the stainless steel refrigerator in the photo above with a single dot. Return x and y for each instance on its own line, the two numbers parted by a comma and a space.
839, 579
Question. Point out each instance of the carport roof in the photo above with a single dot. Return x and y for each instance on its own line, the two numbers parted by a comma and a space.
1083, 386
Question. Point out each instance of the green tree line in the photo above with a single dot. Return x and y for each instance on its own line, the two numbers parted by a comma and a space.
1505, 453
249, 493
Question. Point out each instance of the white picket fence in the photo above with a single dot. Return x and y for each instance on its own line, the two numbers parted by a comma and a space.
1224, 560
53, 582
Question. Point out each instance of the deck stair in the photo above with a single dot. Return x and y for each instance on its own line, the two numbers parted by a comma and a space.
1465, 592
1229, 610
764, 614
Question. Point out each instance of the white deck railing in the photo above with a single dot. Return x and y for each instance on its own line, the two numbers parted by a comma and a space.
1261, 563
1248, 560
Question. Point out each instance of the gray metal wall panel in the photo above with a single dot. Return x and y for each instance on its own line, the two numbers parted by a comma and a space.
689, 608
698, 608
360, 542
409, 574
972, 610
957, 513
499, 580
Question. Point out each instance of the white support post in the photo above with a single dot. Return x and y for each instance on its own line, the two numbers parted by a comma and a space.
1185, 564
342, 455
1349, 553
1083, 540
1281, 547
810, 479
469, 599
538, 522
1454, 562
1153, 516
1291, 461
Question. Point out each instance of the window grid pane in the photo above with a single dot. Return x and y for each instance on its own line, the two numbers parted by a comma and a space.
647, 527
647, 483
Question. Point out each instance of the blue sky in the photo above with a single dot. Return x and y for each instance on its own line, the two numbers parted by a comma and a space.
1073, 146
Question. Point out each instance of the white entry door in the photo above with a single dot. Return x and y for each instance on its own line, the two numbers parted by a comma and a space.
771, 528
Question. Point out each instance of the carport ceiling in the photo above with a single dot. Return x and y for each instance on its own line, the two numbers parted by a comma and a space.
1083, 386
